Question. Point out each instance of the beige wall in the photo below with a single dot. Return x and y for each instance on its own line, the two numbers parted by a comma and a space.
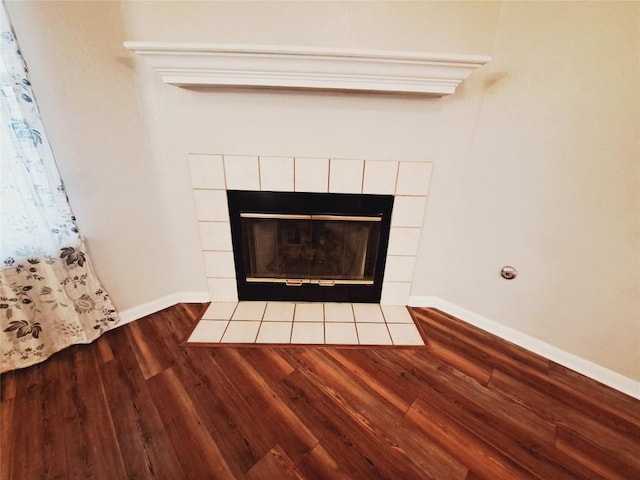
84, 84
535, 158
551, 185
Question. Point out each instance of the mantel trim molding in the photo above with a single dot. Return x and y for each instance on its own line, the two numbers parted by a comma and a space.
201, 65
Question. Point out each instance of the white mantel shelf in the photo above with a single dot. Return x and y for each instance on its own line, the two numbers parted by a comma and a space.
202, 65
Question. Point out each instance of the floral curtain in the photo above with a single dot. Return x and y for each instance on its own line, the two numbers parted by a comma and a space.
50, 297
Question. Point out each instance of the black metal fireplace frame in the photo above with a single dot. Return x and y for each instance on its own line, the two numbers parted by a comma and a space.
242, 201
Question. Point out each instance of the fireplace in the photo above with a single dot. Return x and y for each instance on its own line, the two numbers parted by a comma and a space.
213, 175
309, 246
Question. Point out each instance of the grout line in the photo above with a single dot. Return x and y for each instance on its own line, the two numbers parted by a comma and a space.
255, 340
355, 323
294, 174
224, 171
395, 186
290, 331
324, 334
228, 323
386, 324
324, 328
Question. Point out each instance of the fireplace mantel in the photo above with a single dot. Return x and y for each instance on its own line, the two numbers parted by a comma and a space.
203, 65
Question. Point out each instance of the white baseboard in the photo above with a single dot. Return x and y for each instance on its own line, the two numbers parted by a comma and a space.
585, 367
135, 313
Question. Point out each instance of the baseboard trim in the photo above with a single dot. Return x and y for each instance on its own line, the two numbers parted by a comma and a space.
585, 367
131, 314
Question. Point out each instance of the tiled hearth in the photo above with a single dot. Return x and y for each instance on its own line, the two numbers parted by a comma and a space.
212, 175
306, 323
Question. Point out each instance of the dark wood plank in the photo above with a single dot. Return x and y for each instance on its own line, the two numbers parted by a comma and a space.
275, 464
521, 435
135, 417
342, 439
54, 455
104, 352
590, 460
370, 372
616, 403
8, 385
478, 343
88, 428
6, 437
481, 406
27, 459
197, 451
293, 435
595, 398
139, 403
224, 410
454, 353
616, 444
356, 404
149, 348
469, 449
319, 465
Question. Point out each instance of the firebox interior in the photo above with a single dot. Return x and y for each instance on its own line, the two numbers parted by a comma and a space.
309, 246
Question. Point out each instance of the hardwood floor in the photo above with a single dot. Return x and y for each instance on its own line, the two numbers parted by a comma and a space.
137, 404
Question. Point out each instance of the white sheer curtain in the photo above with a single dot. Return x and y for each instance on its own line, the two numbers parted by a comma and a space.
50, 296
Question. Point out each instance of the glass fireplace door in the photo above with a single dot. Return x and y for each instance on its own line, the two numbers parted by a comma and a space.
320, 249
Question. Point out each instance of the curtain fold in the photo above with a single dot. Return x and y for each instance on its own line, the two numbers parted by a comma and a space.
50, 296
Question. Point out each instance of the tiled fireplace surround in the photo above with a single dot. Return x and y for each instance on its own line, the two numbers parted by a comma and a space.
213, 174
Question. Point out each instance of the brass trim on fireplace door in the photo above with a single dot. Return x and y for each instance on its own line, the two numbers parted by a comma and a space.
276, 216
311, 281
288, 216
346, 218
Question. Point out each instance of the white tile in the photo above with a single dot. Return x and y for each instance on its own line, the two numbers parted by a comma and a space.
404, 241
345, 176
208, 331
368, 312
373, 334
249, 311
338, 312
340, 333
311, 174
399, 269
223, 289
380, 177
241, 172
396, 314
276, 174
405, 334
408, 211
307, 333
211, 205
395, 293
413, 178
219, 264
220, 311
215, 236
274, 332
309, 312
207, 171
279, 312
241, 332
